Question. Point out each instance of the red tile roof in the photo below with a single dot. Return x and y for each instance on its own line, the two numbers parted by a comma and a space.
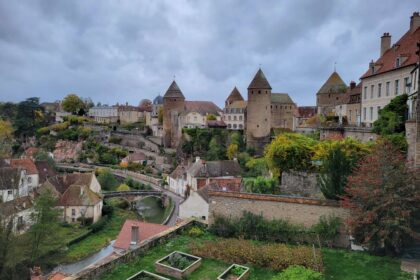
216, 123
146, 230
307, 111
76, 195
31, 151
138, 156
26, 164
202, 107
57, 276
405, 48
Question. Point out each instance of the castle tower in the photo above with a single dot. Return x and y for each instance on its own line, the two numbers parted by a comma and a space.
173, 105
235, 95
258, 114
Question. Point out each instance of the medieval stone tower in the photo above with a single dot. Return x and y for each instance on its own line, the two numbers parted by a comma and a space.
173, 105
258, 114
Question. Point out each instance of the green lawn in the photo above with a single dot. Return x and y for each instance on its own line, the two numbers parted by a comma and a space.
98, 240
339, 264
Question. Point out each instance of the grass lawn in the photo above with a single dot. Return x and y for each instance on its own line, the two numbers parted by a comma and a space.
96, 241
339, 264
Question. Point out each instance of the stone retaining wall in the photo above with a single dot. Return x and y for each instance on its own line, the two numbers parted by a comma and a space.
299, 183
297, 210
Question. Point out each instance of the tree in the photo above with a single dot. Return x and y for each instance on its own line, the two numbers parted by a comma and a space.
392, 117
256, 167
6, 138
290, 151
214, 150
123, 188
232, 151
211, 117
383, 196
45, 222
73, 104
29, 117
334, 172
107, 180
261, 185
160, 115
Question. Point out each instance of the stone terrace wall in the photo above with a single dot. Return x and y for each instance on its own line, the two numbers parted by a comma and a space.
298, 210
299, 183
95, 271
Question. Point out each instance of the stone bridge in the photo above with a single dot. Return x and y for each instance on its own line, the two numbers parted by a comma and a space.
132, 194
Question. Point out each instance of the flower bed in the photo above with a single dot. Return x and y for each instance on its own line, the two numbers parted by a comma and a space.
178, 264
146, 275
235, 272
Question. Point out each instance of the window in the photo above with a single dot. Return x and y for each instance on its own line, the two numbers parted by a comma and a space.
398, 62
379, 89
371, 113
73, 212
241, 126
397, 82
240, 118
372, 87
229, 126
378, 108
365, 93
29, 180
364, 113
234, 118
9, 192
234, 125
349, 115
20, 221
406, 85
73, 220
387, 88
229, 118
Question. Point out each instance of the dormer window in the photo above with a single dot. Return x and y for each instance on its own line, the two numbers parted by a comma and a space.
398, 62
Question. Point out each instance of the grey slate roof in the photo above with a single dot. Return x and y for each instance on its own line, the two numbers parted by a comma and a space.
218, 168
333, 84
235, 95
173, 91
259, 81
158, 100
281, 98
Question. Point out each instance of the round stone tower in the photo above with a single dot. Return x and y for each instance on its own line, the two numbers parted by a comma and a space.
173, 105
258, 113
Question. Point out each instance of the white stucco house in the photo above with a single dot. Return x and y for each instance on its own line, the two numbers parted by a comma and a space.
31, 172
13, 183
19, 212
196, 205
177, 181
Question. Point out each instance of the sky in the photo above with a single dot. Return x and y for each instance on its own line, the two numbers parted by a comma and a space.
125, 51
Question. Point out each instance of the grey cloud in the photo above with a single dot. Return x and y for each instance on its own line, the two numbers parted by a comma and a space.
118, 51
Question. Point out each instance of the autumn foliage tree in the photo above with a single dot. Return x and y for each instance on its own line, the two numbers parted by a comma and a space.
383, 196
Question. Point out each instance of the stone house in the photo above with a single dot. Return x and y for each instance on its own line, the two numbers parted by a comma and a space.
283, 111
196, 204
104, 114
177, 180
79, 195
389, 76
195, 114
31, 172
304, 113
234, 111
136, 157
226, 173
129, 114
13, 183
45, 170
19, 211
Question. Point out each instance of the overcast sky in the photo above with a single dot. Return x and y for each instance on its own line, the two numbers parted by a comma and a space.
124, 51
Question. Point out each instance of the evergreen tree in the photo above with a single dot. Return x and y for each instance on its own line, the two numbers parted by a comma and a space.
334, 172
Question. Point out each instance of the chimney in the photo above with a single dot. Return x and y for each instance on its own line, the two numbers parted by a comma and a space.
197, 159
372, 67
414, 22
385, 43
134, 235
352, 84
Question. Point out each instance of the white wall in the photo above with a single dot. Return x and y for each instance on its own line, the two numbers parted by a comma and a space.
194, 206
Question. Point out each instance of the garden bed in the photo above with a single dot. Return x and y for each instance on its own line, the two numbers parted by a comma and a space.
235, 272
178, 264
146, 275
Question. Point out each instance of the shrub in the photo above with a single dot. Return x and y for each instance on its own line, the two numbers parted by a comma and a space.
85, 221
195, 232
99, 224
297, 272
274, 256
123, 188
107, 210
327, 228
115, 140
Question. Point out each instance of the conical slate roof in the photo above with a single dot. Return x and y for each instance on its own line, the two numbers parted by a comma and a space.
333, 84
235, 95
174, 91
259, 81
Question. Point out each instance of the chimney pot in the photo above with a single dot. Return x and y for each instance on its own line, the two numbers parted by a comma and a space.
385, 43
352, 84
